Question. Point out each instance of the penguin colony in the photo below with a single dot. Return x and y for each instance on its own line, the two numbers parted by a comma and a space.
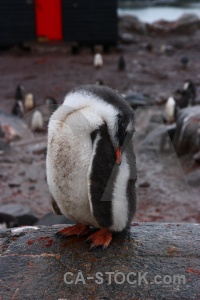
91, 170
25, 104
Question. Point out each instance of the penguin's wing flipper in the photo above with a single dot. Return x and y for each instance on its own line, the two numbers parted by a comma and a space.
54, 205
101, 176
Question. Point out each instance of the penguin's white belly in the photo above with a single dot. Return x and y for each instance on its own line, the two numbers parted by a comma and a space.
68, 158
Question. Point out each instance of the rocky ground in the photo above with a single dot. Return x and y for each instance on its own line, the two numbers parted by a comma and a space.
164, 192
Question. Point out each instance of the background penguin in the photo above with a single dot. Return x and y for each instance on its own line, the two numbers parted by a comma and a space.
29, 102
37, 121
98, 60
18, 108
181, 97
51, 103
91, 169
19, 92
190, 89
121, 63
170, 110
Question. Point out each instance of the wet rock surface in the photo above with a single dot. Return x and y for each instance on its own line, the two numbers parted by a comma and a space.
38, 261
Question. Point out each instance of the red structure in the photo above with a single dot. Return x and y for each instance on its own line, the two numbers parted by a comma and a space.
83, 22
48, 19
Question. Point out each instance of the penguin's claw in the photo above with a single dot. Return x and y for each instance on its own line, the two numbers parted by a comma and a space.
78, 229
60, 235
101, 237
92, 247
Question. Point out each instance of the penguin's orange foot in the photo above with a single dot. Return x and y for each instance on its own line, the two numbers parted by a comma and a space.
78, 229
101, 237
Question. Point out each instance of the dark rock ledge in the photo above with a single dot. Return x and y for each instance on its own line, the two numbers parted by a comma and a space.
33, 263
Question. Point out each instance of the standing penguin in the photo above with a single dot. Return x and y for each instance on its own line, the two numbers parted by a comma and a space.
170, 110
37, 121
190, 89
98, 60
18, 108
121, 63
29, 102
91, 169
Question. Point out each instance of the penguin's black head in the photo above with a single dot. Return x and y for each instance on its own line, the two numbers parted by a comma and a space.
124, 133
125, 129
19, 92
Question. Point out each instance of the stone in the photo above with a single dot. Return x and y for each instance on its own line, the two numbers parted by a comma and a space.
31, 188
187, 135
144, 184
38, 148
14, 184
160, 27
34, 262
157, 117
22, 213
131, 24
127, 38
187, 23
53, 219
26, 159
196, 157
13, 127
193, 178
138, 99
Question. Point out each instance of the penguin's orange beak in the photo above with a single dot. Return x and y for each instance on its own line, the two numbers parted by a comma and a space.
118, 156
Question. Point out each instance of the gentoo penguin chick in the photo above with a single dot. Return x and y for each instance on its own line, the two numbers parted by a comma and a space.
91, 170
189, 87
170, 110
18, 109
37, 121
29, 102
98, 60
121, 63
51, 103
